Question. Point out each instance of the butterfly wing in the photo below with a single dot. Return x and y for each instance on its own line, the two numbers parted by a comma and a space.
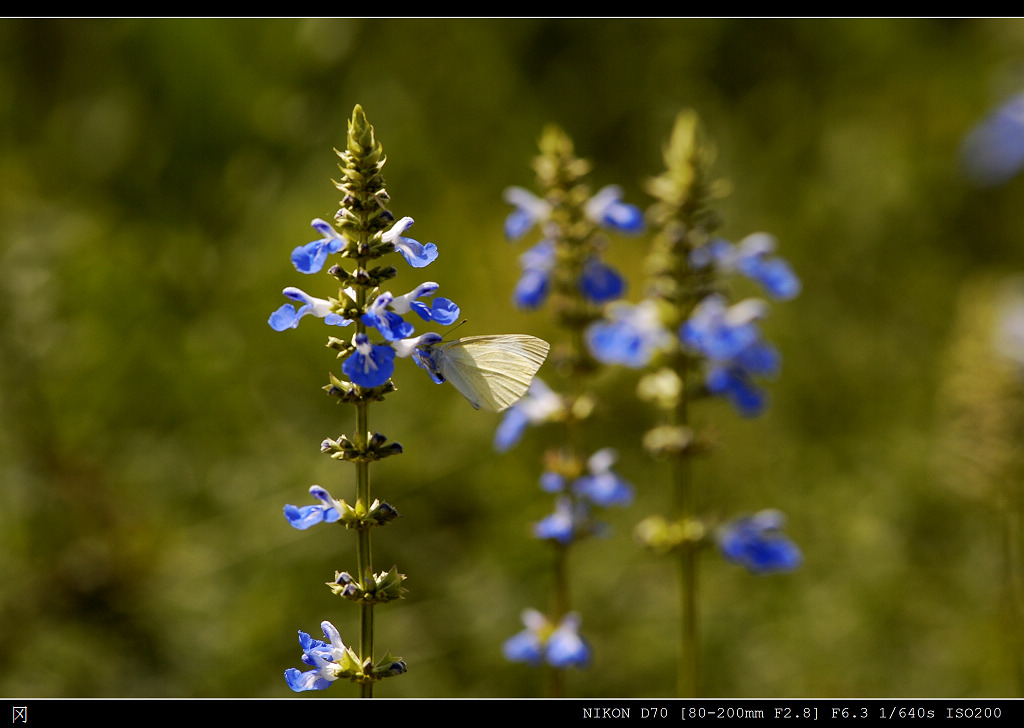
492, 372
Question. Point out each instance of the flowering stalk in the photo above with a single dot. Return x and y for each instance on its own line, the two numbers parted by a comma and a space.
695, 344
982, 416
364, 231
565, 270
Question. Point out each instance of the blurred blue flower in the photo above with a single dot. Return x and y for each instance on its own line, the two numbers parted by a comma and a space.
630, 335
528, 646
415, 254
752, 258
529, 211
551, 482
369, 365
287, 317
539, 405
560, 646
993, 151
310, 258
721, 332
565, 647
532, 288
734, 383
607, 209
561, 526
600, 282
306, 516
327, 659
603, 486
729, 338
757, 543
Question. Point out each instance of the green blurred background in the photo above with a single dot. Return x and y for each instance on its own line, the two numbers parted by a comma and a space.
156, 174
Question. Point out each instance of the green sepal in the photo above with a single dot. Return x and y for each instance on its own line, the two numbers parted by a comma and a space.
374, 589
377, 448
389, 666
658, 534
363, 277
351, 393
359, 516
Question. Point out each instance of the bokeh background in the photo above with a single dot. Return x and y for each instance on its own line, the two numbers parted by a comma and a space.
156, 174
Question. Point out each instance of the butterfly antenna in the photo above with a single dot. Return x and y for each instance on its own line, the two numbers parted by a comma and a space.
457, 325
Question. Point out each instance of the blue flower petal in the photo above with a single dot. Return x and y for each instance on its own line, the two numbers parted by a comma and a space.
416, 254
532, 289
607, 209
604, 489
369, 365
510, 430
565, 647
302, 681
310, 258
287, 317
523, 647
529, 211
735, 384
600, 282
757, 543
993, 152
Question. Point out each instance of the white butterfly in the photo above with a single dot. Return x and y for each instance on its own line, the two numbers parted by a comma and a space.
492, 372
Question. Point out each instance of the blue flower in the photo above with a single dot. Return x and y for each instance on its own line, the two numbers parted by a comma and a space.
441, 310
539, 405
630, 336
565, 647
532, 288
993, 151
551, 482
774, 274
330, 660
731, 341
603, 487
528, 646
310, 258
721, 332
560, 646
306, 516
560, 526
287, 317
734, 383
750, 257
600, 282
757, 543
369, 365
415, 254
530, 210
607, 209
390, 325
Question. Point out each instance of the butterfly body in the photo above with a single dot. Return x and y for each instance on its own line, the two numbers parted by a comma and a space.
492, 372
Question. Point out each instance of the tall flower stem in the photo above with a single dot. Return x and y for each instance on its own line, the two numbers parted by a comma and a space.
364, 231
682, 222
685, 328
685, 512
566, 270
1013, 520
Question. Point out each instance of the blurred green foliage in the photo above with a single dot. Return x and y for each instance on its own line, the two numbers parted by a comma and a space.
154, 177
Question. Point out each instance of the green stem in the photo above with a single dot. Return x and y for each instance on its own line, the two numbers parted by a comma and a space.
364, 553
688, 675
1013, 544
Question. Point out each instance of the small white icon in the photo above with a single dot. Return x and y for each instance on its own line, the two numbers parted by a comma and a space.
19, 714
